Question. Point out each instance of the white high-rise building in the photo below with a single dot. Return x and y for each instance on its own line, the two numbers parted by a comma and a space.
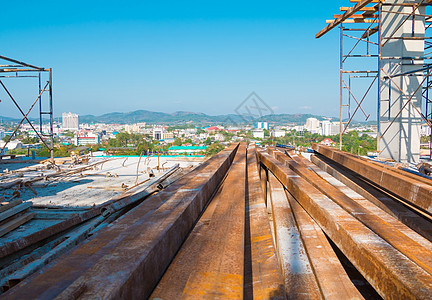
261, 125
312, 124
70, 121
158, 133
326, 127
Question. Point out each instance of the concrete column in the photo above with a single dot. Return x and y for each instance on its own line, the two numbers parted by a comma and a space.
401, 142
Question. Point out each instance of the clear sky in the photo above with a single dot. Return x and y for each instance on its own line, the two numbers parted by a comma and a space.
200, 56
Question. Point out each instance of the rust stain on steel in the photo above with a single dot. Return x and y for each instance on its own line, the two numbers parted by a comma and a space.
76, 219
127, 259
333, 280
397, 224
415, 191
210, 262
380, 199
299, 278
384, 225
390, 272
265, 280
175, 278
16, 245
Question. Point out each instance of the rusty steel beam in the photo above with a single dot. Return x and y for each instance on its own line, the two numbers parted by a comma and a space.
127, 259
374, 209
413, 191
263, 279
333, 280
210, 262
299, 278
108, 207
175, 278
390, 272
408, 217
394, 232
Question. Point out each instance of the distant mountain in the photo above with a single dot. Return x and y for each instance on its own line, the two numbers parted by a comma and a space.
7, 119
182, 117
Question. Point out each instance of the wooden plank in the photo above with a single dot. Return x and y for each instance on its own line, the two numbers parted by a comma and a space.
360, 16
351, 21
346, 15
10, 205
15, 223
14, 210
368, 9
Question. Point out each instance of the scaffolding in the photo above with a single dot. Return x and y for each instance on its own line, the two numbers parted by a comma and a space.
362, 58
14, 69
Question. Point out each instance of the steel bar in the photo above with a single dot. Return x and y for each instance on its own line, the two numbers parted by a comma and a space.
391, 273
332, 277
22, 120
139, 255
22, 113
266, 281
21, 63
370, 206
359, 104
415, 7
220, 262
387, 227
380, 199
299, 278
106, 208
174, 280
413, 191
408, 101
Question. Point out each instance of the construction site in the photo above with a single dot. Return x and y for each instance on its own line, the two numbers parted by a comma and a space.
250, 222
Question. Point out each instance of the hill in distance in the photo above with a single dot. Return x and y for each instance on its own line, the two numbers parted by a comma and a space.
182, 117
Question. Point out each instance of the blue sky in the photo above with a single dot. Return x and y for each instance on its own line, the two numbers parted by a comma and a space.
201, 56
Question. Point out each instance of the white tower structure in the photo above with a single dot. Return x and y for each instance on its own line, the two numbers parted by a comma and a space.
400, 88
70, 121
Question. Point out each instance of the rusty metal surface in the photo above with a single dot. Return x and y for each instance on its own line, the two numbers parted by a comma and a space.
263, 279
417, 222
414, 191
333, 280
127, 259
384, 201
299, 278
210, 262
386, 226
390, 272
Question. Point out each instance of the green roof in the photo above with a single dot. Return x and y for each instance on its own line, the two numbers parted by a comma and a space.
187, 148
